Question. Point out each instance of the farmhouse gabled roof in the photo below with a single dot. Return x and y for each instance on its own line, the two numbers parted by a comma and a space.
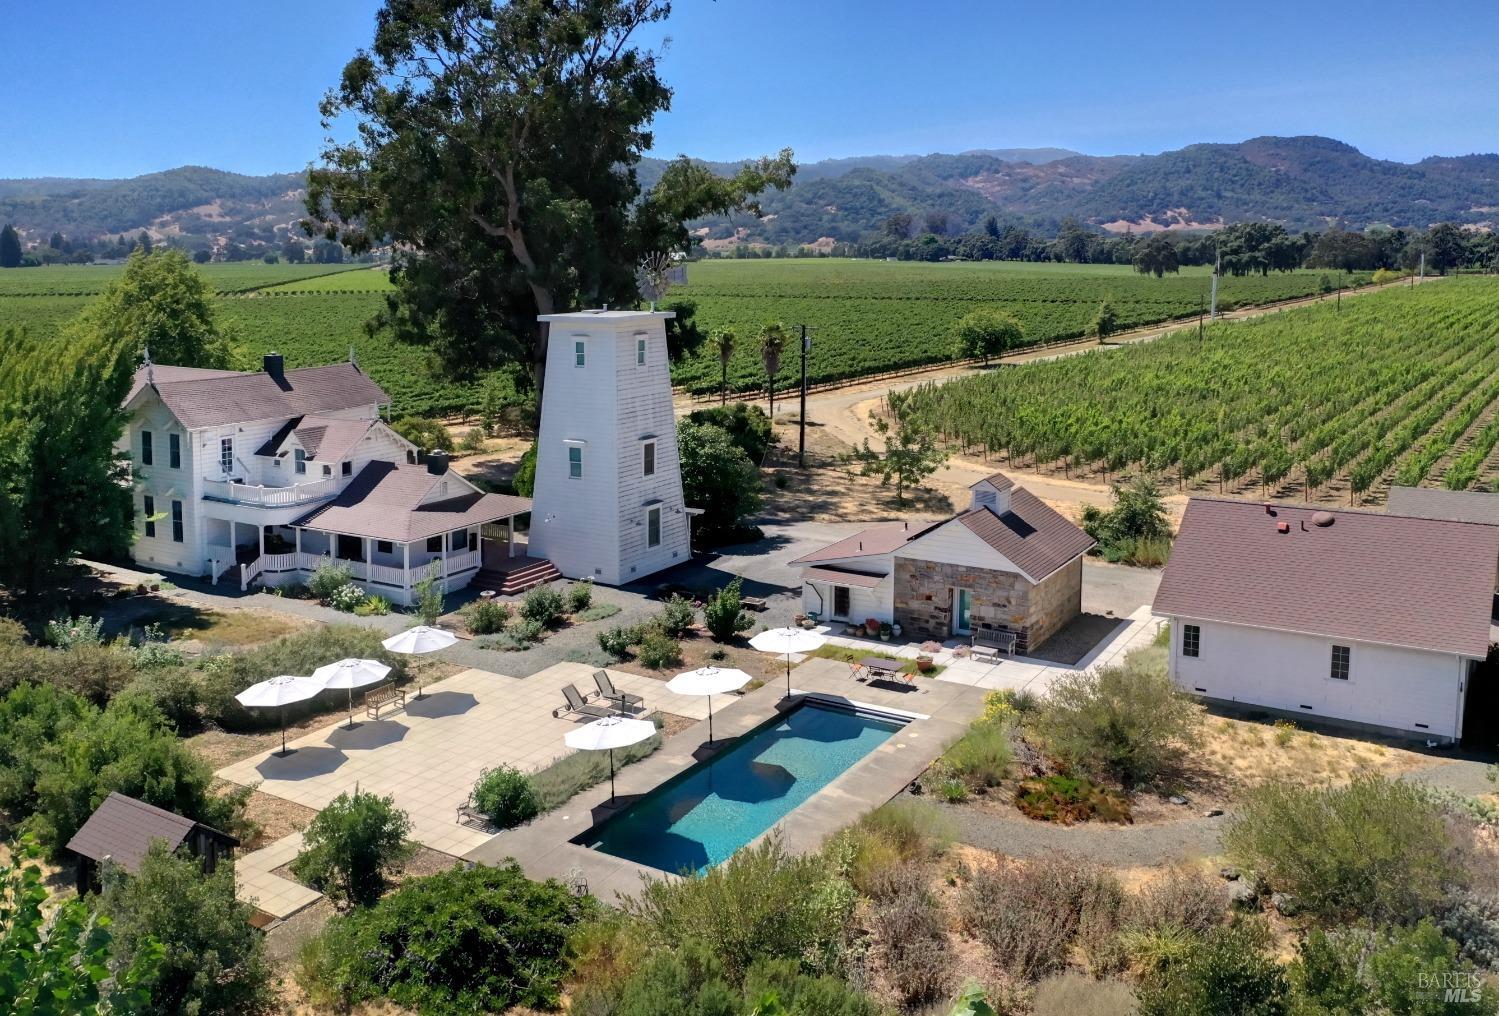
1366, 577
876, 541
123, 829
213, 399
325, 438
1033, 535
1452, 505
385, 501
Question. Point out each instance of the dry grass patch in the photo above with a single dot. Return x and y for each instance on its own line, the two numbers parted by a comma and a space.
235, 627
1247, 753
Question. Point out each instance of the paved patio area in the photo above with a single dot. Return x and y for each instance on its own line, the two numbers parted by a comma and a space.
428, 755
254, 884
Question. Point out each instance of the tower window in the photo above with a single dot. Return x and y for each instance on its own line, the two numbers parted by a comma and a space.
639, 352
574, 462
653, 527
580, 352
146, 455
648, 459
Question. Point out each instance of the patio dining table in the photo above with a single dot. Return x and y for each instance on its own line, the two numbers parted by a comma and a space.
879, 666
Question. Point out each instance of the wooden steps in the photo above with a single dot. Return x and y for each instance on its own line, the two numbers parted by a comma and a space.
518, 575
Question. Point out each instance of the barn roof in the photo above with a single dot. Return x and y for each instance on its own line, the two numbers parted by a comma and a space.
1452, 505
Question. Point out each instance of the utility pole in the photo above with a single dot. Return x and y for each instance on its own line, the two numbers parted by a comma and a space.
1217, 267
801, 417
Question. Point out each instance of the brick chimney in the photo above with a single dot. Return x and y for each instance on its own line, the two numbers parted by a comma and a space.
275, 366
437, 462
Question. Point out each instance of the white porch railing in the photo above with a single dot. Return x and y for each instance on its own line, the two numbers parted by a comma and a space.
459, 567
463, 562
278, 563
385, 575
248, 573
271, 497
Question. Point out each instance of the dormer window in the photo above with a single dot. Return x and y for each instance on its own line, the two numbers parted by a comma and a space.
985, 497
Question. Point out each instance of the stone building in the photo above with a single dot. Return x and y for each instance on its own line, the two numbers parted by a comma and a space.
1010, 563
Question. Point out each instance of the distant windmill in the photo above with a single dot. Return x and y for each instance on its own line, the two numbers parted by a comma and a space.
656, 274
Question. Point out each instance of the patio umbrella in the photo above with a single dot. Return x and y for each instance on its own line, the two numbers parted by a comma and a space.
784, 642
609, 733
351, 674
708, 681
421, 639
277, 692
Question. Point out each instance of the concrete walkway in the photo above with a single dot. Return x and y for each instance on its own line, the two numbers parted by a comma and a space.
429, 754
255, 884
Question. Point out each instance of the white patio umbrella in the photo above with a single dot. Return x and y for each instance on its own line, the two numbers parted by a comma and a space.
277, 692
708, 681
350, 674
421, 639
609, 733
784, 642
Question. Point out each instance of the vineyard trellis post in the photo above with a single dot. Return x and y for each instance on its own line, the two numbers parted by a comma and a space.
801, 440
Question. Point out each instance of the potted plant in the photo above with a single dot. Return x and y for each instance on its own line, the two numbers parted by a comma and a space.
885, 632
896, 629
924, 664
872, 625
854, 630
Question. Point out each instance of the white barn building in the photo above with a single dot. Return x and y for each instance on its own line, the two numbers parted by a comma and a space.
608, 498
1363, 618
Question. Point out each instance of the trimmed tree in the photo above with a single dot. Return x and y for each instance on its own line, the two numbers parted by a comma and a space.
984, 333
351, 846
163, 304
718, 477
10, 247
911, 451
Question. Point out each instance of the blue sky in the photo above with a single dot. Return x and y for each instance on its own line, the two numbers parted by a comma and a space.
97, 88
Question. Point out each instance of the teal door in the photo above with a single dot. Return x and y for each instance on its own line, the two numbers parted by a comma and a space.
962, 601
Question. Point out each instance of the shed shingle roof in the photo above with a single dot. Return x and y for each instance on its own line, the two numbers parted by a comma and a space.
218, 398
384, 502
1368, 577
1035, 537
123, 829
843, 577
1452, 505
875, 541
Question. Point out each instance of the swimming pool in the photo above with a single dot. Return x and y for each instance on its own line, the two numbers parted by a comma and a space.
703, 815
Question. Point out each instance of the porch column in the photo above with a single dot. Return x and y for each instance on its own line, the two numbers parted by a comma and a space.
369, 559
406, 569
298, 534
447, 545
510, 546
260, 536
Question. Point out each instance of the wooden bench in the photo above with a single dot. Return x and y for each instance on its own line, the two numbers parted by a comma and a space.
467, 812
991, 643
755, 603
383, 695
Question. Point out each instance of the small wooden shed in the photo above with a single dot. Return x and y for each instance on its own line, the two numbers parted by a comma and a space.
122, 830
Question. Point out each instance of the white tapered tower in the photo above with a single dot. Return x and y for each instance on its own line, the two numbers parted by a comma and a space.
608, 498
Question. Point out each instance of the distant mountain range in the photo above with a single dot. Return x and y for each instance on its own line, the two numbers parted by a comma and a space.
1302, 182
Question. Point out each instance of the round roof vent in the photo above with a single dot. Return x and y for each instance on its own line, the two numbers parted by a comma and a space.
1322, 519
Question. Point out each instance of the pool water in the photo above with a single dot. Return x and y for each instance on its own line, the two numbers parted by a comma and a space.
702, 816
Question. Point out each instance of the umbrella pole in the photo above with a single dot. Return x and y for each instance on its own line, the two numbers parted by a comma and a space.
283, 730
788, 673
710, 719
611, 775
351, 708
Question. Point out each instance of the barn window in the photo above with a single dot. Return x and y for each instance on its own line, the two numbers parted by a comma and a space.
1341, 657
1191, 640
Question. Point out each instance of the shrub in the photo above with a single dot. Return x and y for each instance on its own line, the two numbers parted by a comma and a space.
327, 580
1029, 914
152, 650
616, 641
222, 677
1394, 970
506, 796
1187, 899
174, 691
596, 612
542, 605
720, 478
427, 596
486, 617
32, 717
347, 598
1128, 721
426, 434
480, 939
97, 672
372, 606
899, 833
12, 632
1069, 799
1472, 921
67, 632
1375, 847
747, 426
579, 596
724, 615
677, 616
214, 960
1228, 972
1136, 524
351, 845
658, 650
472, 440
981, 757
911, 944
762, 903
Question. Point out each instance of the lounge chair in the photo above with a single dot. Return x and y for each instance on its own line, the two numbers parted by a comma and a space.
576, 703
623, 699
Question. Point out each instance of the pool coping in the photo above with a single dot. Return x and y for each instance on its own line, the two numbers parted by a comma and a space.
938, 713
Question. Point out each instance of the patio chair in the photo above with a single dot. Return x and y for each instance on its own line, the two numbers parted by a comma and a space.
623, 699
576, 703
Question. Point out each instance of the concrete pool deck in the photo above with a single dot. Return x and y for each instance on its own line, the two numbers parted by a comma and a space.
944, 709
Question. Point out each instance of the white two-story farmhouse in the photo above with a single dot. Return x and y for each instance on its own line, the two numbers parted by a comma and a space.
266, 475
